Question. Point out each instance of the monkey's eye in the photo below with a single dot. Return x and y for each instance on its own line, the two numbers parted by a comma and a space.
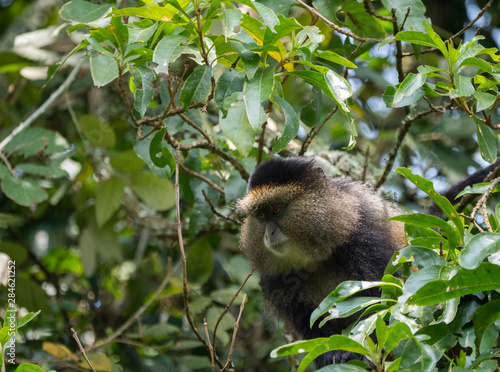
261, 215
276, 210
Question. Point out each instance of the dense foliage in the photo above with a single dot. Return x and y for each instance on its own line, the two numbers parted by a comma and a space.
130, 129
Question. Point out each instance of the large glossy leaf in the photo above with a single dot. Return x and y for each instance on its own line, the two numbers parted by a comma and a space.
443, 203
158, 193
334, 57
487, 142
310, 114
291, 125
485, 316
420, 38
335, 342
257, 90
159, 154
339, 88
230, 81
425, 220
343, 291
485, 277
238, 129
197, 86
104, 69
108, 197
478, 248
48, 171
144, 93
164, 52
24, 191
79, 11
409, 86
36, 141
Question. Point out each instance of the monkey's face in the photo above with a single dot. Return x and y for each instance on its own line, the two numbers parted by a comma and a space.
279, 234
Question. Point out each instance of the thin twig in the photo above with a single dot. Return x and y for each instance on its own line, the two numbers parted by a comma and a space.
314, 131
212, 207
467, 198
369, 8
399, 51
403, 130
334, 26
482, 203
235, 331
471, 23
53, 97
205, 325
228, 306
213, 185
75, 336
185, 291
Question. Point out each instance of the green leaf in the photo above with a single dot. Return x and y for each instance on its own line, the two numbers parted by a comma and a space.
390, 91
250, 59
141, 148
98, 133
164, 52
422, 257
429, 221
224, 296
412, 20
238, 129
126, 161
28, 367
463, 87
255, 91
108, 197
79, 11
159, 154
409, 86
104, 69
487, 142
291, 125
231, 81
360, 22
158, 193
429, 39
310, 114
484, 100
480, 63
486, 277
197, 86
485, 316
340, 89
349, 307
152, 11
143, 95
26, 192
478, 248
395, 334
232, 21
36, 141
27, 318
478, 188
443, 203
334, 57
343, 291
335, 342
199, 262
15, 251
267, 15
49, 171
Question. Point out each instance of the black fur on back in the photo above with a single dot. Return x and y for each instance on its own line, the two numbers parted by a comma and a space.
280, 171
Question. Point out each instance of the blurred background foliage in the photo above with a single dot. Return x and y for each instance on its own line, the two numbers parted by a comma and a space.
97, 235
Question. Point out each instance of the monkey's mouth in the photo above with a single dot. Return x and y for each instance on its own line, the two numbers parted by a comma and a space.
277, 247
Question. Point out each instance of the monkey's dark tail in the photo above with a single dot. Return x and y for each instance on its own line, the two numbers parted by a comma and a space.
453, 191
